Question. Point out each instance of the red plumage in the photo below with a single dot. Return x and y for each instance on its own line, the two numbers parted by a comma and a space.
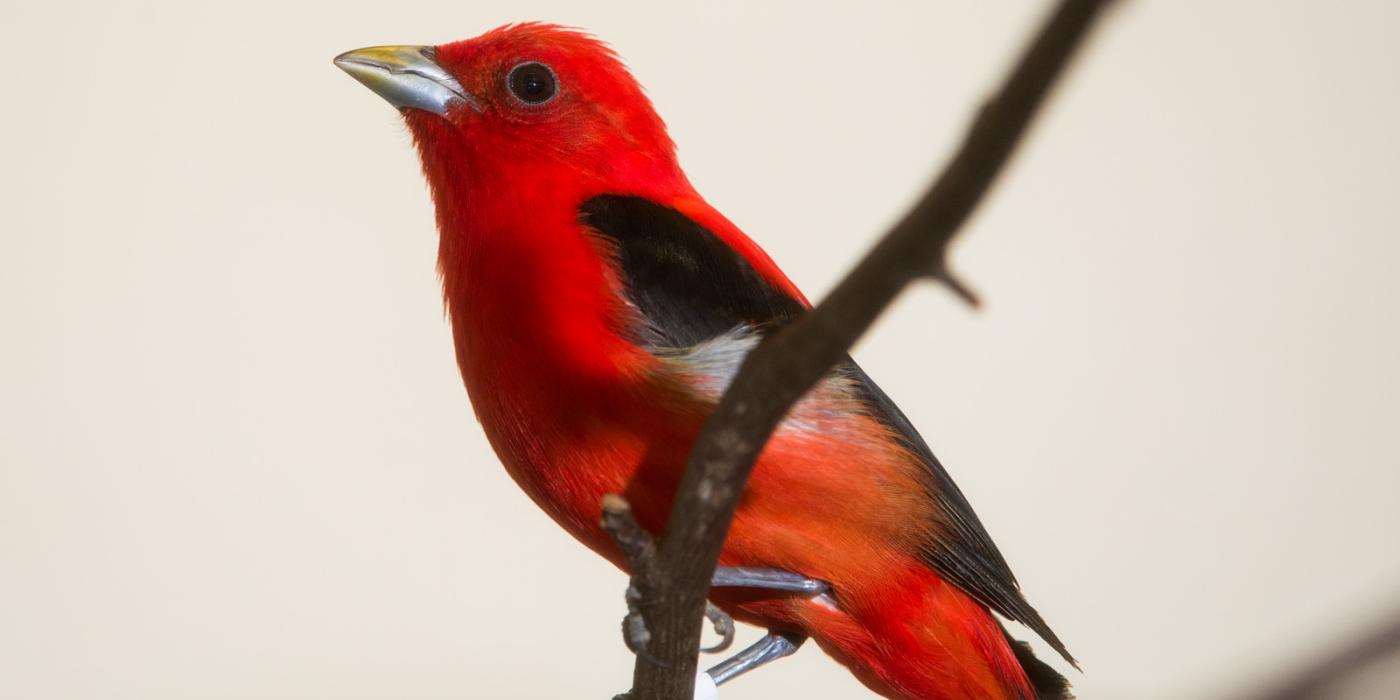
557, 349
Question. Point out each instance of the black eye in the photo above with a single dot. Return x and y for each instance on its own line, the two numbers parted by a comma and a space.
532, 83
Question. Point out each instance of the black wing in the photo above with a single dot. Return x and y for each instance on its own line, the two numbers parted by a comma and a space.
690, 284
693, 287
964, 553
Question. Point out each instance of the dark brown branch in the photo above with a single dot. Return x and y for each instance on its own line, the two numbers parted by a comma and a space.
1320, 679
793, 359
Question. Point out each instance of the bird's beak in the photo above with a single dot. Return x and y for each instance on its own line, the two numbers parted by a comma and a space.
406, 76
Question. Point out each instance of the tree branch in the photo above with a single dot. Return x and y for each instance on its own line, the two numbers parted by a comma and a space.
675, 580
1321, 678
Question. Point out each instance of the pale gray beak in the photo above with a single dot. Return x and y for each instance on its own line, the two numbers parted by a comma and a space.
407, 76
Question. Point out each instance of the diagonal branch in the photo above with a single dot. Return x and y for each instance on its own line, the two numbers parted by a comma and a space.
793, 359
1321, 679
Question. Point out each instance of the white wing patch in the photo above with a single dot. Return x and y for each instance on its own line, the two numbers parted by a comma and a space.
711, 364
709, 367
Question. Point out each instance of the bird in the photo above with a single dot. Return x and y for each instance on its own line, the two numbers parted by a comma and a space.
600, 306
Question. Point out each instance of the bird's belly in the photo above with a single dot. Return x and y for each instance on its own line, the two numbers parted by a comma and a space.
844, 505
819, 505
834, 499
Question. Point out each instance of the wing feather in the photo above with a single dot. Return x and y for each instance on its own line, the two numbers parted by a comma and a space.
691, 287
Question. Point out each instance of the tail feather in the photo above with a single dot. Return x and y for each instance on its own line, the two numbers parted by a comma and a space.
916, 637
1046, 682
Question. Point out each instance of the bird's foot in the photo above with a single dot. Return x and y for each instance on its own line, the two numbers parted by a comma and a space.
634, 628
774, 646
636, 635
723, 625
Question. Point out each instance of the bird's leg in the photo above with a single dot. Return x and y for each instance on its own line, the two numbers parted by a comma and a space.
773, 579
636, 635
751, 577
773, 646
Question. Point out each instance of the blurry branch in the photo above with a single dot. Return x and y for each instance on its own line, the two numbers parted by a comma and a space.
1320, 679
673, 576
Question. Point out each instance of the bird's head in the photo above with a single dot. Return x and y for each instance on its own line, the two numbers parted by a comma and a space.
522, 103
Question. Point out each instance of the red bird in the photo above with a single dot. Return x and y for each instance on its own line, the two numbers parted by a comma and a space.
600, 306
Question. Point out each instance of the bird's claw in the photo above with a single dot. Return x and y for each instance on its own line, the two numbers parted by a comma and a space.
634, 627
724, 626
636, 635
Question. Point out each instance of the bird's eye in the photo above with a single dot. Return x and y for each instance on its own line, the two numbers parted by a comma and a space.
532, 83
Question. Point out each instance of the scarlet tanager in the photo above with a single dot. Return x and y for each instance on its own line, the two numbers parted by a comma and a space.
599, 308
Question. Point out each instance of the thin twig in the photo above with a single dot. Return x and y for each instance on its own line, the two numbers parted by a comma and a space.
793, 359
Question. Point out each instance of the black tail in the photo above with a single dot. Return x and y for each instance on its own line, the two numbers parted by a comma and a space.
1046, 682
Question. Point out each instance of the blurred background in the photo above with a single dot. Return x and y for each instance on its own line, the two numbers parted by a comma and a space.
236, 460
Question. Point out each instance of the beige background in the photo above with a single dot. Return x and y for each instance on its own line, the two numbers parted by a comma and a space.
236, 460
